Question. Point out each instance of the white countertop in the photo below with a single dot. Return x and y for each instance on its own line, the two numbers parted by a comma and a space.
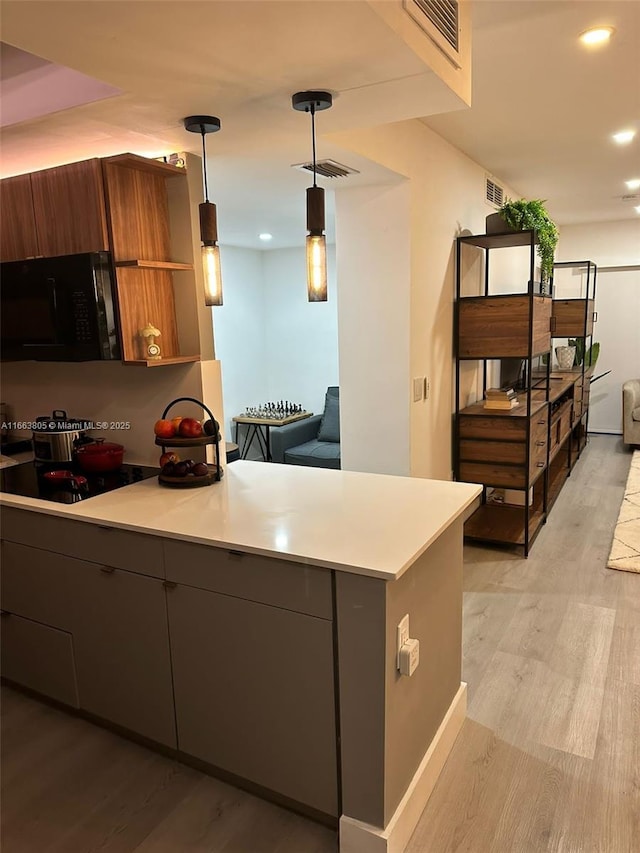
369, 524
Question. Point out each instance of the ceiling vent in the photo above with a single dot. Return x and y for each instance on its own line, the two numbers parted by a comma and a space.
439, 19
327, 169
493, 193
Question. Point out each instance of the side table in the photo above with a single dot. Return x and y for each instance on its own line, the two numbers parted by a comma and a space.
258, 429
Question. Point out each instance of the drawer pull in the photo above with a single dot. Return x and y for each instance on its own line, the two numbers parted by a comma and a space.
169, 584
595, 316
541, 423
107, 570
540, 465
540, 443
105, 528
236, 553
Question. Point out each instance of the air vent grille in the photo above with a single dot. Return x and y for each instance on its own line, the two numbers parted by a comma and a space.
494, 193
327, 169
443, 15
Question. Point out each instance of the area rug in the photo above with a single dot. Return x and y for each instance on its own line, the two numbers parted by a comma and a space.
625, 551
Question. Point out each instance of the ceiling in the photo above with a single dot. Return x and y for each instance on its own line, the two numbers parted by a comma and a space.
542, 112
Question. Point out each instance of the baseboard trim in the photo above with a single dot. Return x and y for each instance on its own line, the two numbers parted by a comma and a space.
359, 837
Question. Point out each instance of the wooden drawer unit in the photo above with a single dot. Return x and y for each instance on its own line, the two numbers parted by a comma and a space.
109, 546
267, 580
498, 326
493, 448
570, 317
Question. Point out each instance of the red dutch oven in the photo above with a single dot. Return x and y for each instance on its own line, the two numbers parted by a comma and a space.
99, 457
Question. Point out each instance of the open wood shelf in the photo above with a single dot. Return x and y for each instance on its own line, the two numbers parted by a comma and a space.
154, 265
161, 362
502, 240
501, 523
145, 164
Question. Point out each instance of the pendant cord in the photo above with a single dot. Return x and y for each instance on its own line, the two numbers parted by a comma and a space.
204, 165
313, 139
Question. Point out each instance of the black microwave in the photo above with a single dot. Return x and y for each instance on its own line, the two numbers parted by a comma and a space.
58, 309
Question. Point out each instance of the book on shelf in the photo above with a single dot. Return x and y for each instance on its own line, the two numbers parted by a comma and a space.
506, 404
499, 393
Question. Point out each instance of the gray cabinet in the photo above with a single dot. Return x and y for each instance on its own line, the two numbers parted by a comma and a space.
254, 692
39, 657
116, 625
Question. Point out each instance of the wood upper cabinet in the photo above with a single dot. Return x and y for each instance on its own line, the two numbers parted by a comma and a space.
69, 208
18, 233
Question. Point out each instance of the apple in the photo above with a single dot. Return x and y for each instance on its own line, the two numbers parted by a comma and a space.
163, 429
169, 469
190, 428
200, 469
169, 456
180, 470
210, 427
176, 424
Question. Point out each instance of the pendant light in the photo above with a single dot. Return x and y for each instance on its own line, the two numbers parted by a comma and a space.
210, 251
313, 102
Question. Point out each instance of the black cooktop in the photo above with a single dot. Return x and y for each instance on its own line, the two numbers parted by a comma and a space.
28, 479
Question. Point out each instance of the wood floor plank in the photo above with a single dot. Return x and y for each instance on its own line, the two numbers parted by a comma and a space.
534, 626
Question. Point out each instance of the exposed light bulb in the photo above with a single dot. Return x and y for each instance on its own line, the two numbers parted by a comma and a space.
212, 275
624, 137
596, 35
316, 268
637, 208
266, 237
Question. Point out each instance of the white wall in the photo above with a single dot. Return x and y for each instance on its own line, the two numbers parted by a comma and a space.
239, 331
373, 256
611, 245
446, 197
273, 344
301, 353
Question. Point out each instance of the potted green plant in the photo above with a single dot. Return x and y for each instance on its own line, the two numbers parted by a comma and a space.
523, 215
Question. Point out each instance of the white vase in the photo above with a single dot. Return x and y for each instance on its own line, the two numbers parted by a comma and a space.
565, 357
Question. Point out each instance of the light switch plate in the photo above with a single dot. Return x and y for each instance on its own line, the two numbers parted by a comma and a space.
418, 389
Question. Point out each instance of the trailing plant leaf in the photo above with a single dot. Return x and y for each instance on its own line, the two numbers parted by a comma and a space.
523, 215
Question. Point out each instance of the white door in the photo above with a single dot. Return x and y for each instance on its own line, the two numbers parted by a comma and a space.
618, 330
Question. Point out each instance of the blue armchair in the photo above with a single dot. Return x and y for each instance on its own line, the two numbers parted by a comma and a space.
314, 442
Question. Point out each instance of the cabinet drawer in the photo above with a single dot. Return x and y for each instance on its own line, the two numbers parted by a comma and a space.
38, 584
512, 452
110, 546
39, 657
489, 474
493, 427
268, 580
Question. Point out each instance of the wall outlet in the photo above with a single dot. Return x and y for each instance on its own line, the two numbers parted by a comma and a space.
402, 635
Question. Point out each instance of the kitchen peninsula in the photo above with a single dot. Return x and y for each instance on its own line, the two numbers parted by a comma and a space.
251, 626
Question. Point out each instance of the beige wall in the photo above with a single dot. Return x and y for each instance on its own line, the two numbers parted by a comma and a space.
107, 391
604, 243
446, 197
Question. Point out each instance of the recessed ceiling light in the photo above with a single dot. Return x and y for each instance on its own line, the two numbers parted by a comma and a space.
624, 137
596, 35
265, 236
634, 184
638, 208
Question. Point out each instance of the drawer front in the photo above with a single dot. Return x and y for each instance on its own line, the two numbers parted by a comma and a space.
266, 580
505, 428
109, 546
512, 452
538, 460
38, 584
39, 657
508, 476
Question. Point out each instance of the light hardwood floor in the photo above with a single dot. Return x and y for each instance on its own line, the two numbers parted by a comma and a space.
547, 760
